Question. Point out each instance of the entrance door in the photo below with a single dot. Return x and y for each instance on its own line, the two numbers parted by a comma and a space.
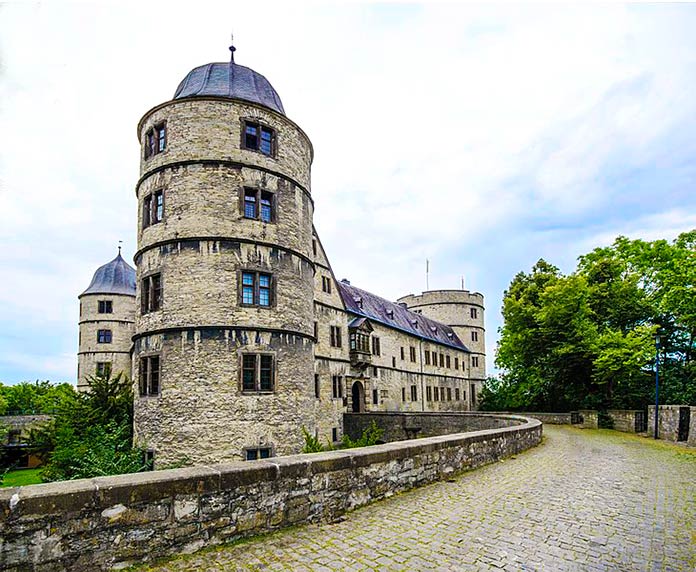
358, 397
684, 419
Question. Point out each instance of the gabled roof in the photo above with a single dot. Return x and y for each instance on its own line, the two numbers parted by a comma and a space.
363, 303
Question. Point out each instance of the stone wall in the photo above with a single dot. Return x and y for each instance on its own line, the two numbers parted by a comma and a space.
548, 418
668, 423
625, 419
589, 419
403, 425
112, 522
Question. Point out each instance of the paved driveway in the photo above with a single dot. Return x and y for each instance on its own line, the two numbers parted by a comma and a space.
582, 501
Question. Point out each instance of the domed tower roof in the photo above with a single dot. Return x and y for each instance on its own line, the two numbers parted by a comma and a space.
116, 277
229, 80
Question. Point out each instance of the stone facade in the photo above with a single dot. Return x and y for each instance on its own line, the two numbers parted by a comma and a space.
193, 329
671, 420
110, 523
120, 322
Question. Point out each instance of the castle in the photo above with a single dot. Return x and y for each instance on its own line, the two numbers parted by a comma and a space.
233, 327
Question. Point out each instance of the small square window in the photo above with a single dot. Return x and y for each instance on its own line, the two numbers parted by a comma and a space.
259, 137
103, 368
254, 454
106, 307
257, 289
103, 336
259, 205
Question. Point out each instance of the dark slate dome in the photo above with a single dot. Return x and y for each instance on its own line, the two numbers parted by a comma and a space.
116, 277
229, 80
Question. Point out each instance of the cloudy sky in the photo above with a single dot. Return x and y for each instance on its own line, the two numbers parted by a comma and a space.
479, 137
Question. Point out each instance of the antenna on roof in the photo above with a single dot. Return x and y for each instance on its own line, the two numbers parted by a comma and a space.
120, 242
427, 270
463, 283
232, 48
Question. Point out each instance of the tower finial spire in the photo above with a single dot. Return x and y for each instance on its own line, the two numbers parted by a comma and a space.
232, 48
120, 242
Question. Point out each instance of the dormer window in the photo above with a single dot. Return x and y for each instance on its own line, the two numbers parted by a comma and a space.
258, 137
390, 314
155, 140
433, 329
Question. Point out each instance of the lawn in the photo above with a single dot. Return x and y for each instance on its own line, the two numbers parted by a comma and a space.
22, 477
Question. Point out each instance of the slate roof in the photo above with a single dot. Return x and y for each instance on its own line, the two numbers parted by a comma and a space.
116, 277
229, 80
390, 314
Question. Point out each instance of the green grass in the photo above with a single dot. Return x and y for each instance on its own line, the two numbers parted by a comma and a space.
22, 477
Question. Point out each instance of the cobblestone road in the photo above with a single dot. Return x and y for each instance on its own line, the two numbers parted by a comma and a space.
584, 500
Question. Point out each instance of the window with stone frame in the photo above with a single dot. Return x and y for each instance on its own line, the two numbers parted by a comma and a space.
427, 357
376, 346
155, 139
317, 394
412, 353
149, 376
456, 394
105, 307
360, 342
474, 336
403, 394
259, 205
456, 363
442, 360
436, 393
258, 137
151, 293
258, 373
335, 336
257, 289
103, 369
256, 453
474, 361
326, 284
104, 336
449, 394
473, 313
414, 393
402, 352
153, 208
428, 393
448, 362
336, 387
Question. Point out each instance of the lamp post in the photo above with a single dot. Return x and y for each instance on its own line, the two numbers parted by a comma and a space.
657, 379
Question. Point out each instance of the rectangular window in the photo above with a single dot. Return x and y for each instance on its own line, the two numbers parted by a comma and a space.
256, 289
449, 394
316, 331
326, 284
335, 337
448, 362
456, 394
376, 346
403, 394
257, 373
155, 140
334, 434
316, 386
442, 360
259, 205
412, 353
375, 397
473, 394
436, 393
402, 352
151, 293
375, 372
456, 363
336, 386
393, 361
414, 393
149, 375
474, 361
474, 313
257, 453
427, 357
103, 336
429, 393
103, 368
259, 138
106, 307
474, 336
314, 247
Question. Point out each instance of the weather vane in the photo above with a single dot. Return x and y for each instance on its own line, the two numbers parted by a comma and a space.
120, 242
232, 48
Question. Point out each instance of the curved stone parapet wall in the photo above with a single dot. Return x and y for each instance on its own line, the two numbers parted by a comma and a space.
111, 522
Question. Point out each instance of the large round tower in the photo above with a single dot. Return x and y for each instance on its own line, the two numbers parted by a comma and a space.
107, 316
223, 348
463, 311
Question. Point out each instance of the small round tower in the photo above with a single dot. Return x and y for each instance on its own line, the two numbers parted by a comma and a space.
464, 312
223, 347
107, 316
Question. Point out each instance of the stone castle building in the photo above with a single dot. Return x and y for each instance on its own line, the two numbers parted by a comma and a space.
240, 333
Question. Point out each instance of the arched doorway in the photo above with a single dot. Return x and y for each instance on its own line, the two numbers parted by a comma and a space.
358, 397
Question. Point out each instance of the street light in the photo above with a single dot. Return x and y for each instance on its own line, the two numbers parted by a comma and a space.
657, 379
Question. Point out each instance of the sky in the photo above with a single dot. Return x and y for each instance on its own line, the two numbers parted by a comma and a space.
479, 137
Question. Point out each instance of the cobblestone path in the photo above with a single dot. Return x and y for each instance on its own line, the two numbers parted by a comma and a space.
584, 500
